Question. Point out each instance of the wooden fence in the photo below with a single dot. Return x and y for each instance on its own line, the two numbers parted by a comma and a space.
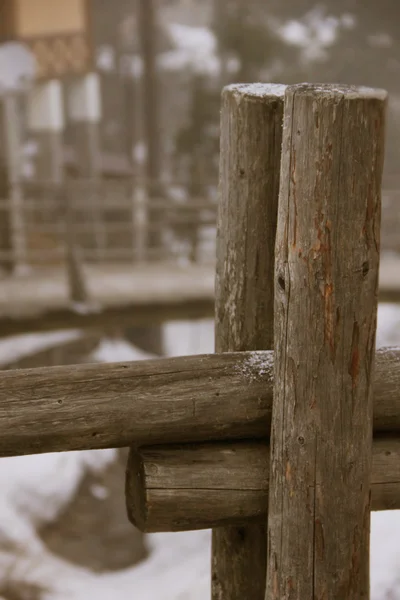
106, 220
283, 452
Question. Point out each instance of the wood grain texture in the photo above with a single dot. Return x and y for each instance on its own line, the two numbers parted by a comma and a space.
185, 487
251, 136
326, 276
146, 402
195, 398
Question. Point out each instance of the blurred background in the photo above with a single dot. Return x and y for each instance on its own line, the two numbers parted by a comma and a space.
109, 142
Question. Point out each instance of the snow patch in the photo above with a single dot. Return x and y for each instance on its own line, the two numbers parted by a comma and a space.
315, 32
99, 491
17, 67
349, 91
260, 90
117, 350
193, 39
388, 330
195, 50
35, 489
16, 347
385, 555
84, 308
258, 365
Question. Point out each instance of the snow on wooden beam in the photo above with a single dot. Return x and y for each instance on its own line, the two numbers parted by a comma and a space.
224, 396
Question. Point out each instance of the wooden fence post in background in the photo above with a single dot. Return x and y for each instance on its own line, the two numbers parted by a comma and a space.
45, 116
326, 276
251, 136
12, 229
84, 114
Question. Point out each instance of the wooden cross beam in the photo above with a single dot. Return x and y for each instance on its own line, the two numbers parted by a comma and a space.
213, 397
198, 486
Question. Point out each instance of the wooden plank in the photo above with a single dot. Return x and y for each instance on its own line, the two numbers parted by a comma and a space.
146, 312
251, 134
190, 399
185, 487
119, 293
326, 273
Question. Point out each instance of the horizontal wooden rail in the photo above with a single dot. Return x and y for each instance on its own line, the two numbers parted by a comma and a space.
116, 227
211, 485
153, 254
107, 200
174, 400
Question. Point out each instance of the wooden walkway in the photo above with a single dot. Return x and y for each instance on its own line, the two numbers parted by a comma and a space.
120, 294
123, 294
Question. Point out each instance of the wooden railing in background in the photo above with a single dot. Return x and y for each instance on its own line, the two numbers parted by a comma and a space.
109, 222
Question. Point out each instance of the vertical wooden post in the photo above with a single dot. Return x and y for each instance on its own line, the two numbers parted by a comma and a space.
77, 282
251, 135
326, 276
147, 18
46, 123
13, 236
84, 112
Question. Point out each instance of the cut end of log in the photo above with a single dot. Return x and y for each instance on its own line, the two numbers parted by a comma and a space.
256, 90
199, 486
135, 493
350, 92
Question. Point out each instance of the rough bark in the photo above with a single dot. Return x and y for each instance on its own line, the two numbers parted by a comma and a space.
251, 135
180, 488
326, 276
190, 399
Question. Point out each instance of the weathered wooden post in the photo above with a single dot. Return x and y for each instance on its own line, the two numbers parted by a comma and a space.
146, 217
251, 135
147, 14
326, 276
84, 113
12, 229
46, 124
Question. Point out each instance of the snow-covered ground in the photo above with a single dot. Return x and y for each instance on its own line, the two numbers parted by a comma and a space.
35, 489
19, 346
